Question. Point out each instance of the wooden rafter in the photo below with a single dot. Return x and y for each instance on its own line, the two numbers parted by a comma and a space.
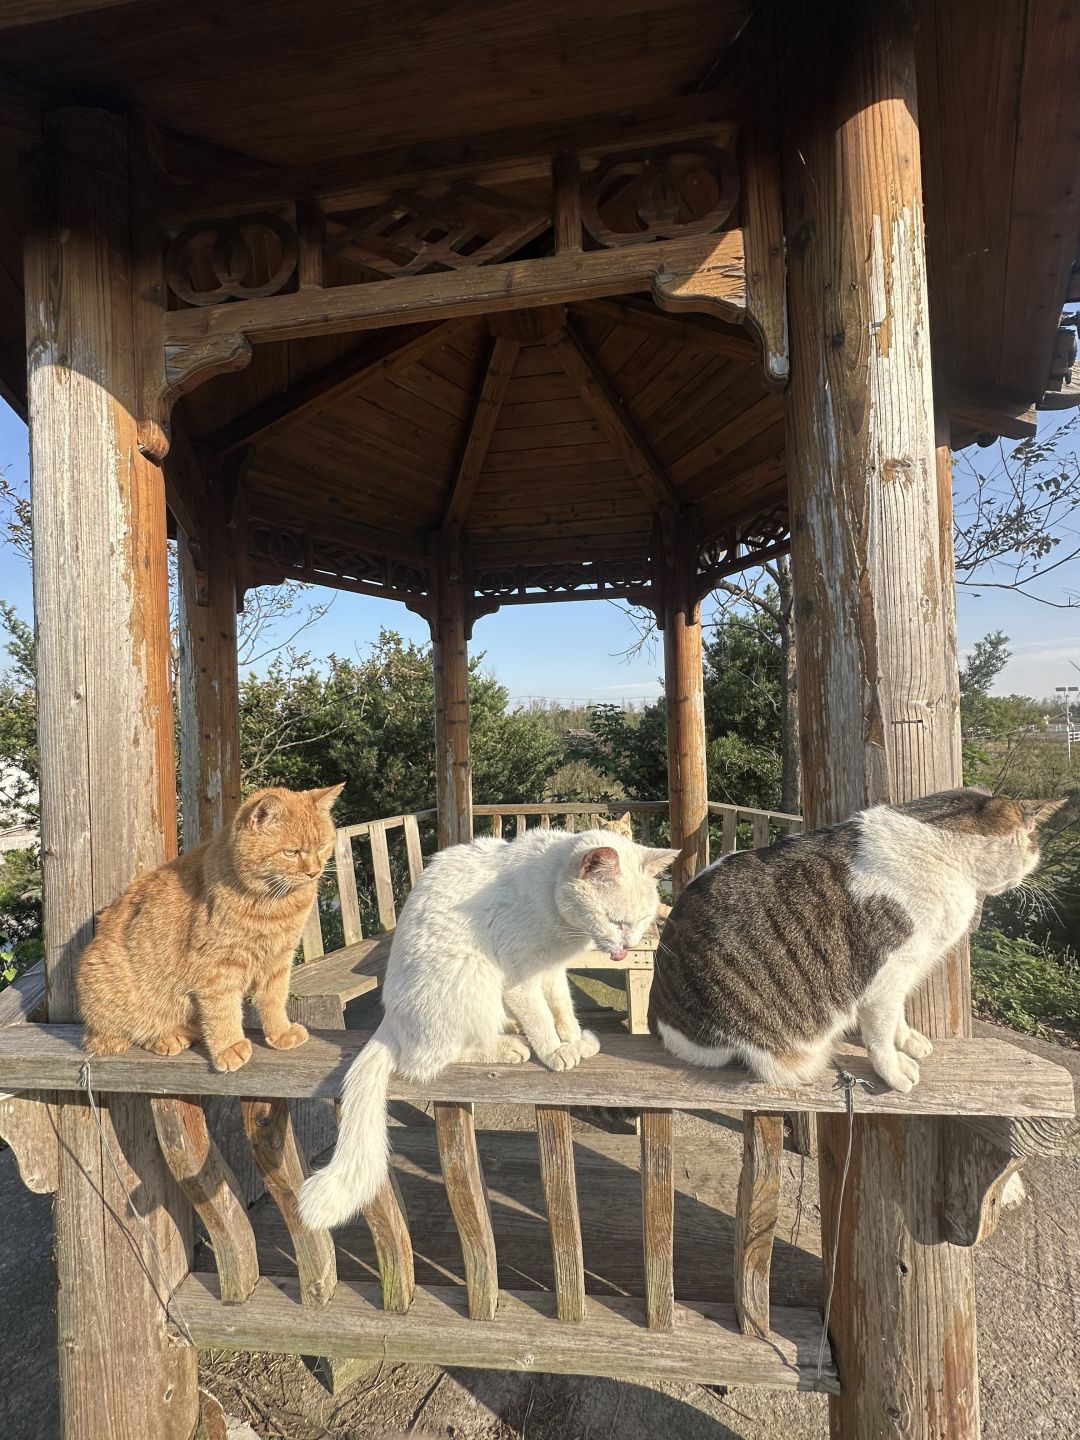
35, 12
501, 359
347, 375
584, 372
686, 329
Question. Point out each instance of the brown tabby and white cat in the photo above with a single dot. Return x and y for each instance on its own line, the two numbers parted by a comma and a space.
175, 955
770, 955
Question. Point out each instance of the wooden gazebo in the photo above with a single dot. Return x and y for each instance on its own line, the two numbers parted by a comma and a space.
471, 305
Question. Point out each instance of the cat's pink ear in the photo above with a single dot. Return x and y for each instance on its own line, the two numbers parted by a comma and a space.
264, 812
325, 798
1038, 812
599, 864
655, 862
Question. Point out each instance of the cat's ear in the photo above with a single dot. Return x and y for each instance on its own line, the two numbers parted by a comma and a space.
655, 862
624, 819
1037, 812
265, 811
600, 864
325, 799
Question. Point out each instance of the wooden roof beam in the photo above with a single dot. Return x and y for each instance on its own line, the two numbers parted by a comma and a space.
14, 13
989, 412
501, 359
382, 356
583, 370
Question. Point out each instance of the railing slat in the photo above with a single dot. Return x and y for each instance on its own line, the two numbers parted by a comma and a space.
312, 938
658, 1217
389, 1228
545, 822
413, 850
467, 1193
210, 1185
556, 1146
269, 1129
727, 843
384, 885
760, 831
755, 1219
521, 824
568, 823
496, 826
346, 878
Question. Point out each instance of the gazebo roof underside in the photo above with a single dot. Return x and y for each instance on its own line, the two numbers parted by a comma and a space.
552, 476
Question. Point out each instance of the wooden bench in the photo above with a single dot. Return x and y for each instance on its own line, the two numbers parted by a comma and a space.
304, 1306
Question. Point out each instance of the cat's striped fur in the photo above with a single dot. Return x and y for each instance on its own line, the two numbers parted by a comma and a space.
770, 955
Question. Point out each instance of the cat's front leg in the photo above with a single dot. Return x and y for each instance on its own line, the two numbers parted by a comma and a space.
271, 998
556, 986
879, 1027
221, 1013
529, 1005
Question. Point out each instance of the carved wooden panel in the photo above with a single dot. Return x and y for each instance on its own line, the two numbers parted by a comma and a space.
278, 550
244, 258
660, 195
460, 227
566, 581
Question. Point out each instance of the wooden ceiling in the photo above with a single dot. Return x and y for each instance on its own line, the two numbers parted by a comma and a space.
268, 82
540, 455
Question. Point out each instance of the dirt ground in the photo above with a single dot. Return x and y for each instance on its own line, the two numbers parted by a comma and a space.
1028, 1279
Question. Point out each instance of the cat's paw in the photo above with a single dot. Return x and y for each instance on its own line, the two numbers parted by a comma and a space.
233, 1056
512, 1026
288, 1039
563, 1057
916, 1045
588, 1045
512, 1050
897, 1070
168, 1044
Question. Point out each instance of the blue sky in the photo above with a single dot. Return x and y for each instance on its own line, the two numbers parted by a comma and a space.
573, 652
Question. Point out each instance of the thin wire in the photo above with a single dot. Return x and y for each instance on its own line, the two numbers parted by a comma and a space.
847, 1083
172, 1308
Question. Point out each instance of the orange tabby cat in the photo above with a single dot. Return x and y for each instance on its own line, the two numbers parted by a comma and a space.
174, 957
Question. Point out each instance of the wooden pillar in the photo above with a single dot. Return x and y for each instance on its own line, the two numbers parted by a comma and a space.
875, 624
207, 673
108, 803
684, 695
450, 658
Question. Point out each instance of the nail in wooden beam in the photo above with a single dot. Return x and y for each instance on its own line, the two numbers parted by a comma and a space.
389, 1228
210, 1185
658, 1217
564, 1221
269, 1129
755, 1219
465, 1188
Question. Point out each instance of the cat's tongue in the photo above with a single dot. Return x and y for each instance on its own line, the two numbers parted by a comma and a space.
618, 954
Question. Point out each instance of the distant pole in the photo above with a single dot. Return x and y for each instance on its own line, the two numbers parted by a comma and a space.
1066, 691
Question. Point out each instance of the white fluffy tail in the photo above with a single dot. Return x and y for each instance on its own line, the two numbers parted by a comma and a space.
360, 1161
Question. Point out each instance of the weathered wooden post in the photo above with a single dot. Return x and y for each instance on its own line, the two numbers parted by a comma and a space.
684, 696
876, 642
450, 657
207, 668
108, 802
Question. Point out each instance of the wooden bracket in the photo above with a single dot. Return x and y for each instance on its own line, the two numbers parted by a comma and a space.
977, 1172
28, 1124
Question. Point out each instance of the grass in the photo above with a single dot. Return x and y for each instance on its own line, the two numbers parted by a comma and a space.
1025, 986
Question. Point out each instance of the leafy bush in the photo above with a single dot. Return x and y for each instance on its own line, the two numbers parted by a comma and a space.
1025, 985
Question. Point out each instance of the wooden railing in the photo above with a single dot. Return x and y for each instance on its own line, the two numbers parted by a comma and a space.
393, 856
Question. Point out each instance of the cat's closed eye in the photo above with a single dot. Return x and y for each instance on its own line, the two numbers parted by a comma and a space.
292, 854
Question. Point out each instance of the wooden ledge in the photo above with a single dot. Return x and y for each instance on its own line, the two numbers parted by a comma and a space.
962, 1077
612, 1340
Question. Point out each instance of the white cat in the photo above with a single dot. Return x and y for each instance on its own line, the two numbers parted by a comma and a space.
485, 938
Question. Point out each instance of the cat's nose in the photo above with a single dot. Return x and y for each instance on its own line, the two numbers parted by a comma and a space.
312, 874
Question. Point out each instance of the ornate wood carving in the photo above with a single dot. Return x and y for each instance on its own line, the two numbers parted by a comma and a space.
576, 580
659, 195
350, 563
741, 546
235, 252
460, 227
